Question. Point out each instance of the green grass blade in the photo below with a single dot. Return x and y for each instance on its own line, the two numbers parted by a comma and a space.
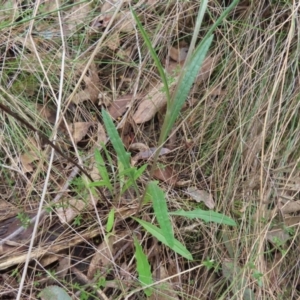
110, 220
102, 170
161, 211
157, 232
143, 267
205, 215
116, 141
154, 55
184, 87
196, 30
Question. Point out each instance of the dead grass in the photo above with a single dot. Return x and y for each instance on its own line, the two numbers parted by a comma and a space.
237, 139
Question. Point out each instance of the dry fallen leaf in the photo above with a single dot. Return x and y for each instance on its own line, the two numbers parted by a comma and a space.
74, 207
26, 161
166, 174
201, 196
92, 84
125, 22
146, 154
151, 104
119, 106
156, 99
178, 54
64, 266
291, 207
79, 130
102, 257
113, 42
138, 147
277, 235
46, 113
77, 15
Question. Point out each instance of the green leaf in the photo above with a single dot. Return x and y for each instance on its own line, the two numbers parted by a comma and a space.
143, 267
205, 215
116, 141
161, 211
110, 220
157, 232
190, 73
54, 292
102, 170
136, 175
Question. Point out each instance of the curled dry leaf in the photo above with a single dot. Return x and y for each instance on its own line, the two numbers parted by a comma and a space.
146, 154
201, 196
166, 174
138, 147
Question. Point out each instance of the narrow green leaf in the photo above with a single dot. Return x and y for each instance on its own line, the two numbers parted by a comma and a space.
102, 170
115, 139
205, 215
98, 183
110, 220
157, 232
137, 174
154, 55
143, 267
190, 73
161, 211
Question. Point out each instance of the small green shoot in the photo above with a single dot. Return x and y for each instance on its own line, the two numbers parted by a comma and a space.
77, 220
143, 267
24, 219
116, 141
105, 181
136, 174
